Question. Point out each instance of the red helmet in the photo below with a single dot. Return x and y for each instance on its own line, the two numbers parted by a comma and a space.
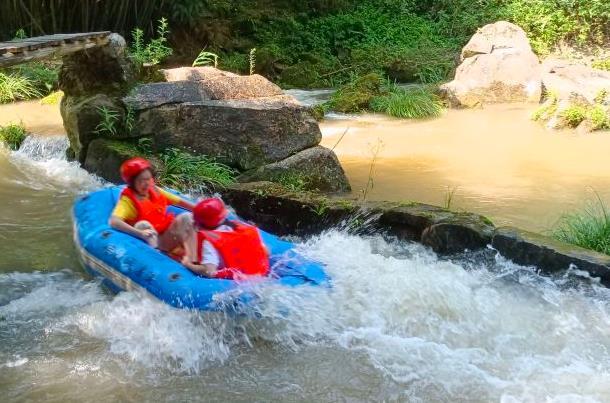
133, 167
210, 213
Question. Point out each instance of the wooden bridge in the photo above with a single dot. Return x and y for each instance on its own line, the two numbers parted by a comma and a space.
45, 47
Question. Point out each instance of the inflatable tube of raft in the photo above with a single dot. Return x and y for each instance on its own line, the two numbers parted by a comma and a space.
127, 263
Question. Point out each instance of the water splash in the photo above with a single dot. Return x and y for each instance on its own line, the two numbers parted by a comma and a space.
45, 156
433, 329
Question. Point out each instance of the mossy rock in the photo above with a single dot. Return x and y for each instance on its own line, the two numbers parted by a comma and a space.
105, 156
356, 96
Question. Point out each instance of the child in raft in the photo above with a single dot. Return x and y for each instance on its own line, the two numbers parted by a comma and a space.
225, 249
142, 211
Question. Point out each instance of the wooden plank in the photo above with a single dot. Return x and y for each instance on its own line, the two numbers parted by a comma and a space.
11, 59
29, 44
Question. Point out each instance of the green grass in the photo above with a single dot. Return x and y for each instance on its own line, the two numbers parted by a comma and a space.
14, 87
184, 171
12, 135
588, 228
293, 182
410, 103
355, 96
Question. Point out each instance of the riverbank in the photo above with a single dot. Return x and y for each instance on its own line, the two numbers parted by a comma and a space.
489, 158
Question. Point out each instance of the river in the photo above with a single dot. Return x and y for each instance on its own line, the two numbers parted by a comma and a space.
399, 324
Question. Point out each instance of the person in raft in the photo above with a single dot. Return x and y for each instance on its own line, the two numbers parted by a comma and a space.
225, 248
142, 211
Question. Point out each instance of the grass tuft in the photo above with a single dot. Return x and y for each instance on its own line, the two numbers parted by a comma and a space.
12, 135
14, 87
184, 171
588, 228
410, 103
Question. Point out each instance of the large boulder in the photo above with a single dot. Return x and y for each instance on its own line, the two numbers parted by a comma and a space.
225, 85
574, 82
315, 168
498, 65
245, 133
82, 116
105, 69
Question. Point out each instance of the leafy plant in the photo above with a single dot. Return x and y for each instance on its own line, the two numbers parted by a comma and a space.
20, 34
357, 95
574, 115
185, 171
206, 58
130, 119
252, 59
109, 120
588, 228
14, 87
13, 135
153, 52
599, 117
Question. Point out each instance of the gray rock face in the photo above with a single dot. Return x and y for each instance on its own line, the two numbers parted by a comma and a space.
81, 116
242, 133
317, 167
498, 65
225, 85
549, 255
574, 82
277, 210
152, 95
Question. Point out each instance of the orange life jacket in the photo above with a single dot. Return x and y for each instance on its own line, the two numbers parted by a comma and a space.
241, 250
152, 209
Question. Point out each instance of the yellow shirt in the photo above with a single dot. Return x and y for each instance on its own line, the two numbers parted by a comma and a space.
126, 211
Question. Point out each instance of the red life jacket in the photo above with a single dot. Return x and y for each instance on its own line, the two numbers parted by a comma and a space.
152, 209
241, 250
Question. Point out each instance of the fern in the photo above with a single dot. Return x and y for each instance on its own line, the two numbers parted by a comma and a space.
206, 58
252, 60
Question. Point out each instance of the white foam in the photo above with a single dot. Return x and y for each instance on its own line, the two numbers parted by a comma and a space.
440, 331
42, 159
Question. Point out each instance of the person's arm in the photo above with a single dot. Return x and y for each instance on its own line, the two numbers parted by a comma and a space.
176, 200
206, 269
120, 225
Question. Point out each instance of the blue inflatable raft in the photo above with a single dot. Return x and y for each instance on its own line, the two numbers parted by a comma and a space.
127, 263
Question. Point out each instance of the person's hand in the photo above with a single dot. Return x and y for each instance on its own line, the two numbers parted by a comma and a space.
146, 234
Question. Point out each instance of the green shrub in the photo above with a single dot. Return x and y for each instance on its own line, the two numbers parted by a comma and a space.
574, 115
599, 117
235, 62
589, 228
356, 96
547, 109
602, 64
153, 52
12, 135
14, 87
184, 171
410, 103
205, 59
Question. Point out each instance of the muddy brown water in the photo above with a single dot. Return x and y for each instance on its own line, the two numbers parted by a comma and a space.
399, 324
495, 161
